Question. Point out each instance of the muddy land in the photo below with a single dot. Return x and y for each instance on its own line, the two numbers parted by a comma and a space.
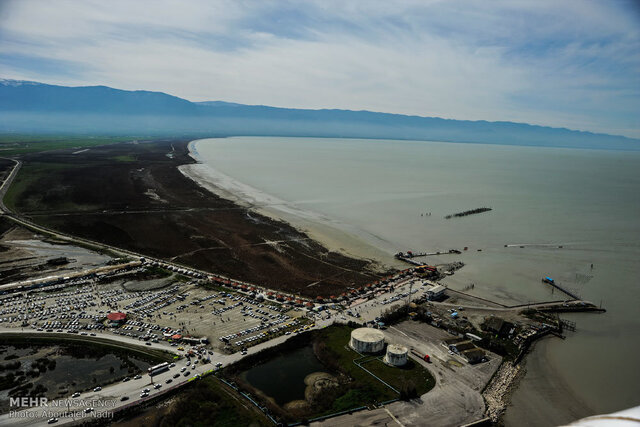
133, 196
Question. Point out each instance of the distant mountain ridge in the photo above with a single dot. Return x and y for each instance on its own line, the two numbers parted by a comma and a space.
37, 107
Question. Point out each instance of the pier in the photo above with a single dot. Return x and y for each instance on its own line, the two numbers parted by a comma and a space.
409, 255
552, 282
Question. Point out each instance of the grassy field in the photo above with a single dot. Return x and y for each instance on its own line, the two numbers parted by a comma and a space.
35, 174
124, 158
11, 145
369, 389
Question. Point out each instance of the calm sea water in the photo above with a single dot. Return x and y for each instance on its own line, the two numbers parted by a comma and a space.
395, 195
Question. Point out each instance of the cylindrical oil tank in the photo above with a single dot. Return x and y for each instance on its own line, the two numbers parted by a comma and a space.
396, 355
367, 340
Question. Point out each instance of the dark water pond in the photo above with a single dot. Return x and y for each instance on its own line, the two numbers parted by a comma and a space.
65, 371
282, 378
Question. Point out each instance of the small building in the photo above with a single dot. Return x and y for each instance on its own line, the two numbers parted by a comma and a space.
497, 326
461, 346
465, 348
436, 292
116, 319
474, 355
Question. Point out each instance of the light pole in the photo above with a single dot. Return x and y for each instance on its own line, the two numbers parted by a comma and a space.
409, 296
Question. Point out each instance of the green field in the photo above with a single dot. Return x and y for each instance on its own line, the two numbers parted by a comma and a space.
369, 389
11, 145
35, 173
124, 158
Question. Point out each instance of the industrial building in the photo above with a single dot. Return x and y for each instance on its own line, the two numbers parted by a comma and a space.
436, 292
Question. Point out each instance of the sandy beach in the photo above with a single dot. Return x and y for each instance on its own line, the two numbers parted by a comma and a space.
334, 235
542, 397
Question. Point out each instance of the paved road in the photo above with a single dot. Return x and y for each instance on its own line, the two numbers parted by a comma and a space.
7, 182
108, 399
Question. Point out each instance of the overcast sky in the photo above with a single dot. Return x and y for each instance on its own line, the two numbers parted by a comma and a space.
566, 63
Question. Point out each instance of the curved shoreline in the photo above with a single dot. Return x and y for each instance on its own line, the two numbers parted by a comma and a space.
541, 385
335, 236
315, 226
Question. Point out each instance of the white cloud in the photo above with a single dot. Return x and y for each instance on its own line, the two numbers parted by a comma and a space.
573, 64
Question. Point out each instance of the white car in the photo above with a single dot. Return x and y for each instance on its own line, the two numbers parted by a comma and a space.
97, 388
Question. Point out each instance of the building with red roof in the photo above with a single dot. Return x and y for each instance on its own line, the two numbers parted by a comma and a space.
116, 318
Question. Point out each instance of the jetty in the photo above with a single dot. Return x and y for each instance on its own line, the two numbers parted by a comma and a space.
469, 212
553, 283
409, 256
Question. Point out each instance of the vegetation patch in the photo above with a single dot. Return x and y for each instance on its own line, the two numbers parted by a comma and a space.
208, 402
11, 145
124, 158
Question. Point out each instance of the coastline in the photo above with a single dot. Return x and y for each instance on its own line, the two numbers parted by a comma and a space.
539, 384
543, 386
334, 236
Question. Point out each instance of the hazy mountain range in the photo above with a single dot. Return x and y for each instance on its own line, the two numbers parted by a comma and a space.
31, 107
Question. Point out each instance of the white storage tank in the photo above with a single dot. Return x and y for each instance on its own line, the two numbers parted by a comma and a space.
396, 355
367, 340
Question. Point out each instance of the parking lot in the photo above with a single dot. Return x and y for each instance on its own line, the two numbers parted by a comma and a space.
224, 319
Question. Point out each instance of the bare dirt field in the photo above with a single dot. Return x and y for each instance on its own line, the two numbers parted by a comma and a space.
23, 255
